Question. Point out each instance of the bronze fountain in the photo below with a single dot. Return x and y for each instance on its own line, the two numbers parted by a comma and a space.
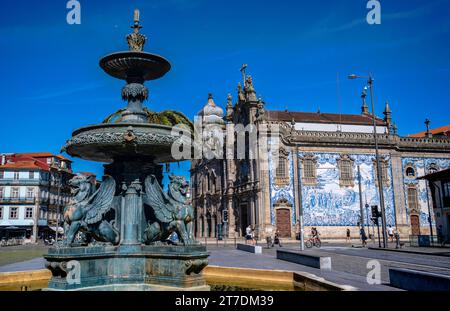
116, 233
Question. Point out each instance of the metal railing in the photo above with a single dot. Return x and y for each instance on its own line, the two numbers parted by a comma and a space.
17, 200
23, 181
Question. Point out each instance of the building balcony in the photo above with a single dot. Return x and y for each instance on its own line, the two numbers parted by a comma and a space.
25, 182
10, 200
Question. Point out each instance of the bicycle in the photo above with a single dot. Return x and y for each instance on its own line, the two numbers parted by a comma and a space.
313, 241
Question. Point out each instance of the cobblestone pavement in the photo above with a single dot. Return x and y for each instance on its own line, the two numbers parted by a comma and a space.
230, 257
355, 260
349, 264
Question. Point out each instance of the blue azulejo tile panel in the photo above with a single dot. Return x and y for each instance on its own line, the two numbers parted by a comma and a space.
329, 204
278, 193
420, 167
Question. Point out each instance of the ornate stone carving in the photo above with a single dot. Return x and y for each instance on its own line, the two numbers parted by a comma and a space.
172, 214
134, 91
118, 137
88, 210
136, 40
195, 265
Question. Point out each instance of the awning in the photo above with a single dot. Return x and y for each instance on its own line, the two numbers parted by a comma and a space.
60, 229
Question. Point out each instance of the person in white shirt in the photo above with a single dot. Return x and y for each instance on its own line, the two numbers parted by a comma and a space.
390, 231
248, 235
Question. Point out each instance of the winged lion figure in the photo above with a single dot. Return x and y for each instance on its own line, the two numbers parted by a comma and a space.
87, 211
170, 210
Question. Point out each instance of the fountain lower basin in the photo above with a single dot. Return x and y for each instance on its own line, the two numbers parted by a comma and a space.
106, 142
217, 277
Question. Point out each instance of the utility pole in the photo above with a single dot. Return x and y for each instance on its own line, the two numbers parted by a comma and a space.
377, 156
379, 170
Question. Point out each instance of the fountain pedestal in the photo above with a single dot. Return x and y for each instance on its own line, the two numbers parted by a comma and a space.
127, 267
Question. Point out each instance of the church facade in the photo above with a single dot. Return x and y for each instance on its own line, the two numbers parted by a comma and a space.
323, 175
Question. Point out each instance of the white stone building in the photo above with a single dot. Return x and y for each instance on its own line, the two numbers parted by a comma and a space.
32, 188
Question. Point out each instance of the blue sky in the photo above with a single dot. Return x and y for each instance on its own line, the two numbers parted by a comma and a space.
295, 50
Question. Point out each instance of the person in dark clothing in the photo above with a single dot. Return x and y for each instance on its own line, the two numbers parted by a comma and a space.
362, 232
276, 239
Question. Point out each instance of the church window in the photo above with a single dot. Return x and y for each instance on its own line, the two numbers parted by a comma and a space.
432, 168
345, 164
282, 170
412, 200
384, 172
410, 172
309, 170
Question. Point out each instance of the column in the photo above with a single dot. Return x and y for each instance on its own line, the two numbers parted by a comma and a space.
205, 227
131, 212
231, 218
213, 226
198, 228
296, 186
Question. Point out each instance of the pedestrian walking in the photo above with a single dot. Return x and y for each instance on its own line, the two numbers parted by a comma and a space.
397, 239
253, 236
248, 235
348, 235
362, 232
390, 231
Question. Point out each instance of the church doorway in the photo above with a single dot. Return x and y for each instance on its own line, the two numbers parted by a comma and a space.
283, 222
415, 225
244, 218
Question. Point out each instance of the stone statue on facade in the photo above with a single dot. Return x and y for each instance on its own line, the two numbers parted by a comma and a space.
88, 212
169, 211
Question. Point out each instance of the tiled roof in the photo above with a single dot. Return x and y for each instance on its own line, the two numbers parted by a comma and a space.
318, 117
443, 130
43, 155
35, 154
25, 164
61, 157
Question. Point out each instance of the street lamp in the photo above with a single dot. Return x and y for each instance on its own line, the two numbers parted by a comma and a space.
377, 156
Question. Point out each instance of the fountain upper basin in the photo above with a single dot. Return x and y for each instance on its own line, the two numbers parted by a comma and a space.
128, 65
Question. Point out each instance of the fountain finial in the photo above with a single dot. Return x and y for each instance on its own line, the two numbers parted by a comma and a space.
136, 40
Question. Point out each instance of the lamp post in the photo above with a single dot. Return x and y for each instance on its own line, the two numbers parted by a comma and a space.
377, 156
